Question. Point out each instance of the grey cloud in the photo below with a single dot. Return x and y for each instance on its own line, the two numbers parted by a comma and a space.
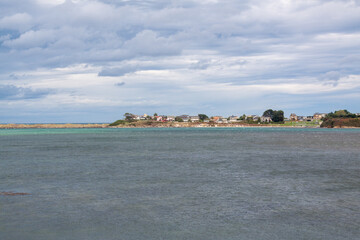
332, 75
18, 21
150, 44
331, 78
119, 71
10, 92
202, 64
119, 84
32, 39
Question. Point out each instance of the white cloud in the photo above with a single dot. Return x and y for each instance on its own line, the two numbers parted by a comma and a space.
50, 2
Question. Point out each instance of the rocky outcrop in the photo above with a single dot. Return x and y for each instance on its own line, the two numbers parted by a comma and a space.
13, 194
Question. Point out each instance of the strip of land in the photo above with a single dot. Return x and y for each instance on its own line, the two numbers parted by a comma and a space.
145, 124
52, 125
329, 123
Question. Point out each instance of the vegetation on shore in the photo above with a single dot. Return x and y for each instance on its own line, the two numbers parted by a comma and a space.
341, 122
340, 119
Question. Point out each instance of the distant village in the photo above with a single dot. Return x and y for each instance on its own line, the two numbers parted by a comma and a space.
267, 117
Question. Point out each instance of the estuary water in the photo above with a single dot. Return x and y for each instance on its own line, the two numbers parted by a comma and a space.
213, 183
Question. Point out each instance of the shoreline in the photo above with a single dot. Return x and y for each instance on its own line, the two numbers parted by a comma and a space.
51, 125
141, 125
154, 125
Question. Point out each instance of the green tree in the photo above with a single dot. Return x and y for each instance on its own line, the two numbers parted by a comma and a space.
341, 114
203, 117
268, 113
243, 117
250, 119
155, 114
129, 117
278, 116
179, 119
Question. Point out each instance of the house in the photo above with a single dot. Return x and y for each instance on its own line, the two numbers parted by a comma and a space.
158, 118
170, 118
301, 118
222, 120
184, 117
194, 118
293, 117
256, 118
252, 117
319, 116
136, 117
308, 118
141, 117
233, 118
144, 117
265, 119
216, 118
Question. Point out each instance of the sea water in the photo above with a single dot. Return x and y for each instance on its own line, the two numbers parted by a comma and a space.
213, 183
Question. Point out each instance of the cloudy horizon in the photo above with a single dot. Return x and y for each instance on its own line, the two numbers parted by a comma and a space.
94, 60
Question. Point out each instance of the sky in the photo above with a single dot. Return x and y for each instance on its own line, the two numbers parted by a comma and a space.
94, 60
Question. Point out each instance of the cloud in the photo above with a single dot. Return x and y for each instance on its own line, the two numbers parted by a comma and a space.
51, 3
201, 64
229, 50
332, 75
32, 39
10, 92
18, 21
118, 71
119, 84
149, 43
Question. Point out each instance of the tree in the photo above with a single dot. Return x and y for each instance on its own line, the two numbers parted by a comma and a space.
278, 116
203, 117
268, 113
129, 117
179, 119
155, 114
243, 117
341, 114
249, 119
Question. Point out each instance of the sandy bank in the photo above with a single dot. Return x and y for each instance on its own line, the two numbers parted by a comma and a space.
52, 125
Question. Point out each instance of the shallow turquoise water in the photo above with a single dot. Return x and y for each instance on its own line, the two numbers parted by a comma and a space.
243, 183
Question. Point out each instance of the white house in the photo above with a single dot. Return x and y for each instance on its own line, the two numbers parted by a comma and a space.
233, 119
194, 118
265, 119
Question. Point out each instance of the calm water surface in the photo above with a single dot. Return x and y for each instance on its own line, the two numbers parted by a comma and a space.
244, 183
